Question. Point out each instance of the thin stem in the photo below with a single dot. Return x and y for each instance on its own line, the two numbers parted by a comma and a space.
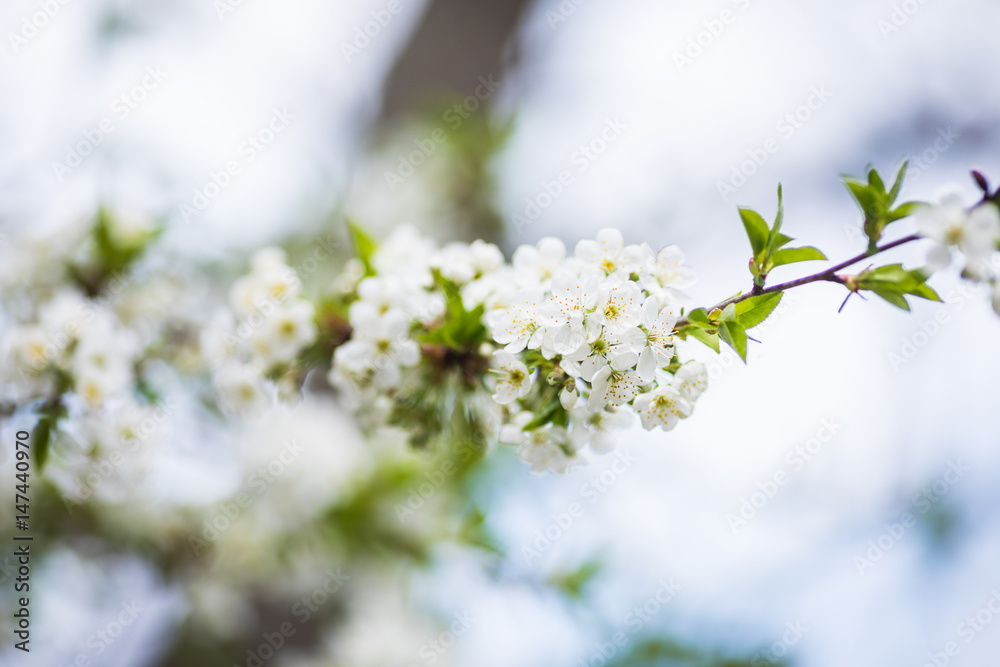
829, 275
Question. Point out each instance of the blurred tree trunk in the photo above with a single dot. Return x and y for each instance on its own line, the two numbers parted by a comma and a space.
456, 42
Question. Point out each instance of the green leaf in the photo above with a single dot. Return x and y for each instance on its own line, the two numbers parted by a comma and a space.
875, 181
699, 318
866, 200
779, 219
898, 185
548, 414
735, 336
709, 339
892, 282
905, 210
729, 314
877, 204
461, 330
757, 230
755, 310
574, 582
364, 246
895, 298
782, 240
792, 255
41, 439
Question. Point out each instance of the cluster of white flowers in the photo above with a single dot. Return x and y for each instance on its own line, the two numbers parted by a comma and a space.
369, 366
268, 326
78, 351
75, 341
975, 233
606, 314
581, 340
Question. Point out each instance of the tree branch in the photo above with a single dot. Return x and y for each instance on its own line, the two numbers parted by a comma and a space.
829, 275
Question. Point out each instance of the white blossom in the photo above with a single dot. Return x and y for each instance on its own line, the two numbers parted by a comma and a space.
619, 307
974, 233
654, 342
547, 448
609, 254
513, 381
597, 354
519, 326
614, 384
242, 388
537, 264
286, 332
691, 380
568, 312
662, 407
406, 254
381, 346
569, 397
599, 429
665, 276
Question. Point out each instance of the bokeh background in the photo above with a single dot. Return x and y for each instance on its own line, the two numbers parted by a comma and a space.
649, 106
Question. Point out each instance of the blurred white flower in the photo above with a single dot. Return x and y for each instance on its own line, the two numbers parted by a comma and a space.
288, 331
975, 233
665, 276
380, 345
691, 380
547, 448
242, 388
599, 428
662, 407
609, 254
513, 381
537, 264
569, 397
